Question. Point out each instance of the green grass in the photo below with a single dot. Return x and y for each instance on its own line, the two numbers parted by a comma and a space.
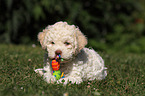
126, 75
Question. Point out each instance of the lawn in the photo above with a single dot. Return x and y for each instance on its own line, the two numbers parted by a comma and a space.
126, 75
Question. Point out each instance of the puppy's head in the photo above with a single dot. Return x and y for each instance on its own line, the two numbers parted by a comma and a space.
62, 39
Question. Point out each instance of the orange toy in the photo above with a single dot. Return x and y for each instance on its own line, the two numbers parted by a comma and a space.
55, 65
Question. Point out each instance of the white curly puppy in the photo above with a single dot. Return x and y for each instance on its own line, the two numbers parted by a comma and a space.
79, 63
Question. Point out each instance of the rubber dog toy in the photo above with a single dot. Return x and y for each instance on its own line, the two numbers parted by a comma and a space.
55, 67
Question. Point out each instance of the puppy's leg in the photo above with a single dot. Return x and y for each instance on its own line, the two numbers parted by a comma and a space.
95, 68
40, 71
75, 77
46, 73
73, 80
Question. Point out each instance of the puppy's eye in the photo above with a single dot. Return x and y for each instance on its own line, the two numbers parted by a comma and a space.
52, 42
66, 43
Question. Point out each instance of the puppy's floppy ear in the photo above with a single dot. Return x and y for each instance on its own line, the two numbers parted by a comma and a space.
82, 40
41, 36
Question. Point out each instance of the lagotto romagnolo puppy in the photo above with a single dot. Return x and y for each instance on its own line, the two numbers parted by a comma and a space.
79, 63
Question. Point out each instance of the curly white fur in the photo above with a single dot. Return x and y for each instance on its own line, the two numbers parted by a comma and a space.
79, 63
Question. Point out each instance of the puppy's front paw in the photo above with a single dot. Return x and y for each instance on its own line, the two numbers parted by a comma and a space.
49, 78
63, 80
40, 71
70, 79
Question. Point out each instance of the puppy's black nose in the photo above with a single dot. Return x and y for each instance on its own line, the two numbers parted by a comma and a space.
58, 52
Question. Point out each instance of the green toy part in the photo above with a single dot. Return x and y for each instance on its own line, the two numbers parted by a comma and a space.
57, 74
